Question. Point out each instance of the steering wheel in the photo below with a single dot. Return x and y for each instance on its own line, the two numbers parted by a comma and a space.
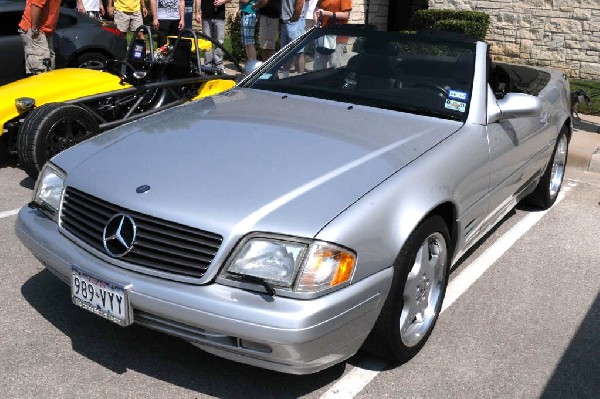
430, 86
111, 66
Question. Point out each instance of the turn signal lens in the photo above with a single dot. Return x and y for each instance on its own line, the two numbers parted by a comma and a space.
327, 266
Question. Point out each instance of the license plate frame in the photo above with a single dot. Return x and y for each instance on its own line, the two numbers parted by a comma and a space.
109, 300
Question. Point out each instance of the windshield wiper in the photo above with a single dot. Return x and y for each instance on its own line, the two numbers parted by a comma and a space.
256, 280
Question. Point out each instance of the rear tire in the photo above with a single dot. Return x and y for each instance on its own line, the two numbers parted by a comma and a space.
416, 295
50, 129
547, 190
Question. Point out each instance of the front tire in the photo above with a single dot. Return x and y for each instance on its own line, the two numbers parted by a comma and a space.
415, 299
50, 129
547, 190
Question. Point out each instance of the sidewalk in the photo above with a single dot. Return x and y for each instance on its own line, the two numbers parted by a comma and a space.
584, 149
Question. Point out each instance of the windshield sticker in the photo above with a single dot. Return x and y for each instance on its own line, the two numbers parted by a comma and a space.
456, 105
458, 95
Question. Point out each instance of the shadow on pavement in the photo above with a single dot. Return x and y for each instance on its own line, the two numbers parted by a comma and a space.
27, 182
7, 160
158, 355
587, 126
577, 374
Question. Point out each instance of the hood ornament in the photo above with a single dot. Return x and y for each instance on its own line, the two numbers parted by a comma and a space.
119, 235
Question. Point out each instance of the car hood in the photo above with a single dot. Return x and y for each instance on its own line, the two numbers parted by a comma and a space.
249, 160
55, 86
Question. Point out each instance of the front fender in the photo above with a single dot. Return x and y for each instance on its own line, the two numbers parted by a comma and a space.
55, 86
453, 173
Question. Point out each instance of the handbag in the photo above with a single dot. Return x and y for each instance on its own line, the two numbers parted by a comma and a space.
326, 43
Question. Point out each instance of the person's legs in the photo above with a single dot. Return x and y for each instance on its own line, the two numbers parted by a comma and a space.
50, 45
36, 51
284, 39
219, 27
267, 36
247, 33
122, 21
296, 30
321, 61
163, 32
136, 21
250, 52
207, 30
336, 57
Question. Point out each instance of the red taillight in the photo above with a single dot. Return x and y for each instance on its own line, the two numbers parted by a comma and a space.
112, 30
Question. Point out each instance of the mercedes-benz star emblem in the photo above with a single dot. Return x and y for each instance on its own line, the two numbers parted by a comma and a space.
119, 235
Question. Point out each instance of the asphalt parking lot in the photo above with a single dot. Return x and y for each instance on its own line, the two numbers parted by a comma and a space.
521, 319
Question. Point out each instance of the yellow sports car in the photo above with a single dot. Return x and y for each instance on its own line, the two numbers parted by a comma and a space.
44, 114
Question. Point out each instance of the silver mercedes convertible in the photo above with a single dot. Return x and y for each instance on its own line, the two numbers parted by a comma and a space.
304, 214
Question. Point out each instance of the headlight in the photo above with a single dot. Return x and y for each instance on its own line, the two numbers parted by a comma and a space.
304, 266
49, 189
271, 260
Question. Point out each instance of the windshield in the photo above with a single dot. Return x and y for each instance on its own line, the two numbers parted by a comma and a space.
414, 73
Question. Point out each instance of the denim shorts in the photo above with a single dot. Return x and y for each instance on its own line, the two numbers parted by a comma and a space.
291, 31
247, 30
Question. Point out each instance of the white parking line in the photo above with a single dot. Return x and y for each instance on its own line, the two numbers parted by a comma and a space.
474, 270
352, 383
9, 213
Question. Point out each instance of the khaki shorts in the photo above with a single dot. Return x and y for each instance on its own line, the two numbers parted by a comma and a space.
128, 21
268, 32
37, 49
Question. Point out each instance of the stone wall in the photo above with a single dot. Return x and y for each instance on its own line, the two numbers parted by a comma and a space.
563, 34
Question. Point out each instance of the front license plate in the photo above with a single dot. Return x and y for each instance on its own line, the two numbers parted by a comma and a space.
103, 298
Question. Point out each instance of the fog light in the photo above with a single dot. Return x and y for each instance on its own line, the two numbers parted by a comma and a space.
24, 104
255, 346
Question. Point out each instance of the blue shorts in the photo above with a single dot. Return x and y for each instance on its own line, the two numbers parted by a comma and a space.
247, 29
291, 31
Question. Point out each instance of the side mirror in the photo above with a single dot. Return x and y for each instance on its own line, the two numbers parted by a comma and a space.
516, 105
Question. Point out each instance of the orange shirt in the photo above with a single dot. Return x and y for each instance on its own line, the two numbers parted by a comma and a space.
48, 18
335, 6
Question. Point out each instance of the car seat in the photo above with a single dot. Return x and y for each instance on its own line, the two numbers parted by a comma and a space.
372, 71
179, 65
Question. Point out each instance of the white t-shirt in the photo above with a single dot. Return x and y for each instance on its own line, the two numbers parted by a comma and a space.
91, 5
168, 9
309, 8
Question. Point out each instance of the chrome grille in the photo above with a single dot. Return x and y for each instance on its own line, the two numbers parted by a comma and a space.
159, 244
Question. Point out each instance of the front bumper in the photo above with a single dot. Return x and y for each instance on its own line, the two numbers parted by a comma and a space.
282, 334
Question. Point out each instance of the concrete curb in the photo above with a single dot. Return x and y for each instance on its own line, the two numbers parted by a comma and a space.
584, 149
594, 165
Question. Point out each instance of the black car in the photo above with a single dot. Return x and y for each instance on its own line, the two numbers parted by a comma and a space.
79, 41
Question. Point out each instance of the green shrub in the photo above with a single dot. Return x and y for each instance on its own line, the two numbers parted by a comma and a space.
473, 23
234, 40
457, 25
